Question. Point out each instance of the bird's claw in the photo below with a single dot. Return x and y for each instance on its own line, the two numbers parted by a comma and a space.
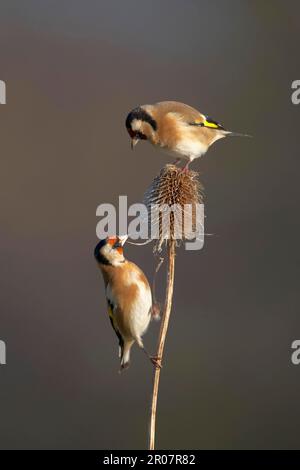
156, 361
185, 169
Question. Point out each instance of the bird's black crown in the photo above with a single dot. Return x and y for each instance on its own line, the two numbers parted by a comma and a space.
98, 255
141, 115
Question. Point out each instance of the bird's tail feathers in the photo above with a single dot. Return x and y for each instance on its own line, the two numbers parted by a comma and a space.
236, 134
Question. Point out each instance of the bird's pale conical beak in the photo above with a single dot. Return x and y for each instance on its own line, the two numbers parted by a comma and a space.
134, 141
122, 239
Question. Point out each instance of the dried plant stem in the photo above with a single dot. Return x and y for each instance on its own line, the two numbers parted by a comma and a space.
162, 339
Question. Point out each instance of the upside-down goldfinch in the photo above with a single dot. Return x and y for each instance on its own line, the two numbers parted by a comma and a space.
128, 296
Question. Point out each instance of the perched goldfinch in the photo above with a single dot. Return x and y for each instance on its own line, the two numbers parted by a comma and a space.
175, 127
128, 295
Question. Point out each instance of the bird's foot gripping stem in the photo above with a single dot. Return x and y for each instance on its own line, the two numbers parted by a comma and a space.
156, 361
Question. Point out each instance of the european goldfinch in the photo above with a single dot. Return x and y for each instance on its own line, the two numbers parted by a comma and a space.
175, 127
128, 295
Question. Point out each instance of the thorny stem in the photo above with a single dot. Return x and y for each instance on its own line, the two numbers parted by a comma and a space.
162, 339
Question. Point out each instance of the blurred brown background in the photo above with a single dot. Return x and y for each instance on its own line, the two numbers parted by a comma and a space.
73, 70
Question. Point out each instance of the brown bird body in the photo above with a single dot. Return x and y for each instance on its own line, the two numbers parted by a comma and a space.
174, 127
128, 296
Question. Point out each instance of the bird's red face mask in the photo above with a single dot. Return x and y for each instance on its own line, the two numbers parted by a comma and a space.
117, 243
135, 137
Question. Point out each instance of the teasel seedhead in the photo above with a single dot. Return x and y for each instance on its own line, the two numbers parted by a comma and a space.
172, 202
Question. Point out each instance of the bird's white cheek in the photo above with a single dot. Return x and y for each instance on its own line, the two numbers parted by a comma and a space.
136, 124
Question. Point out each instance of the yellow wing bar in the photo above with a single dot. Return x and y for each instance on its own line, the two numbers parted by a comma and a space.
208, 122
